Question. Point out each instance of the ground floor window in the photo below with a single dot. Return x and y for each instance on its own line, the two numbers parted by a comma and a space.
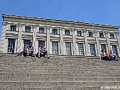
11, 45
103, 47
80, 49
55, 48
26, 43
68, 48
40, 42
92, 50
114, 48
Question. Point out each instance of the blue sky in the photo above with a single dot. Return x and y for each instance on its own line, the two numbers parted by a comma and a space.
91, 11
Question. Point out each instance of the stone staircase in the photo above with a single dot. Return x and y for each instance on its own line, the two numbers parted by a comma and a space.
58, 73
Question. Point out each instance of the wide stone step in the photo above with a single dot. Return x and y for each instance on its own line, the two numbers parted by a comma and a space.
62, 78
53, 84
62, 88
53, 75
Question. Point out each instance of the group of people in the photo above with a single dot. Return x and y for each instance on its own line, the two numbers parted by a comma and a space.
29, 51
110, 56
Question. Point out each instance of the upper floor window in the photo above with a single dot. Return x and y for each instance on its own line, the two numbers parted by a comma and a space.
41, 30
112, 36
67, 32
13, 28
90, 34
79, 33
54, 31
27, 29
101, 35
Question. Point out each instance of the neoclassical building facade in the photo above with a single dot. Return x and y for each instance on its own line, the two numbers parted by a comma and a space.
60, 37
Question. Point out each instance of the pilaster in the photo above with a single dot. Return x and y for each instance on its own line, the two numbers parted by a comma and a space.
97, 45
86, 43
48, 38
74, 43
62, 48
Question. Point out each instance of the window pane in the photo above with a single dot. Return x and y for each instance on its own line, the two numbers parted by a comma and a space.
67, 32
40, 42
79, 33
80, 49
103, 47
13, 28
27, 29
41, 30
68, 48
114, 48
112, 36
55, 48
90, 34
92, 50
101, 35
11, 45
54, 31
26, 43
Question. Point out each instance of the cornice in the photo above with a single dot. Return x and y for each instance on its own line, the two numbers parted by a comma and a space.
57, 21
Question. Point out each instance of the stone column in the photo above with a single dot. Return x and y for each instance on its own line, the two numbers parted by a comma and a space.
3, 40
48, 38
118, 47
108, 41
61, 42
74, 42
97, 45
19, 39
34, 29
86, 43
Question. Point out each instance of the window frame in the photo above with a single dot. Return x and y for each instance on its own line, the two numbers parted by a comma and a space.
14, 27
55, 48
80, 49
27, 30
41, 30
56, 31
68, 49
79, 34
67, 32
89, 34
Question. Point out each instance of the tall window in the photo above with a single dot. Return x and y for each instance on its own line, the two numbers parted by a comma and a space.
114, 48
11, 45
27, 29
68, 48
67, 32
54, 31
13, 28
79, 33
112, 36
40, 42
41, 30
92, 50
103, 47
80, 49
26, 43
55, 48
90, 34
101, 35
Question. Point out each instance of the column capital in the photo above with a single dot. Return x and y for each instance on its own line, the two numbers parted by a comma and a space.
4, 23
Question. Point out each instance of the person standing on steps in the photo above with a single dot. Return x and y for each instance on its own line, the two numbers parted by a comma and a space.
42, 51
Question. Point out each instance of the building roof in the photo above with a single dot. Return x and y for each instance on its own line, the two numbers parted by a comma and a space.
58, 21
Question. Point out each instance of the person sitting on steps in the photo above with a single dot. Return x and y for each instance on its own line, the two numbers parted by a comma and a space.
112, 56
28, 50
42, 51
103, 55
